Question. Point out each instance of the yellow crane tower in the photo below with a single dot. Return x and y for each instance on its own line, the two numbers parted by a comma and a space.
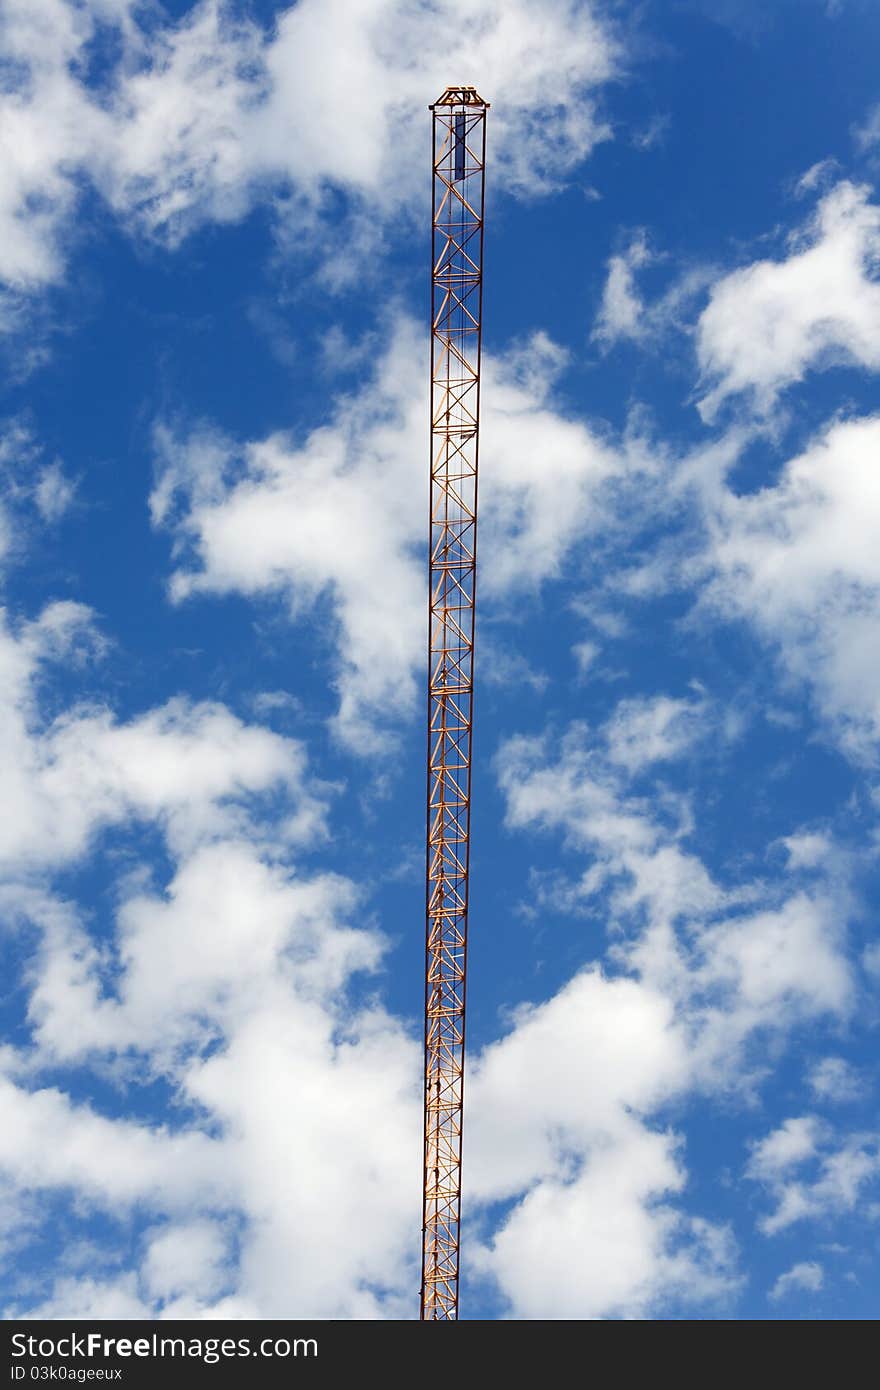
459, 156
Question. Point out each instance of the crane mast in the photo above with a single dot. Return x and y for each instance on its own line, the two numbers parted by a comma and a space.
459, 151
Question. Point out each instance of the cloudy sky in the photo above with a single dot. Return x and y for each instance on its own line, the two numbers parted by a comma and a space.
213, 469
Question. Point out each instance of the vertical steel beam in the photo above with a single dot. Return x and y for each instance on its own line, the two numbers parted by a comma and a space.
459, 124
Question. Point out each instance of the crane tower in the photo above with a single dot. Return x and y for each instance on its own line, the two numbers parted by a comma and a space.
459, 128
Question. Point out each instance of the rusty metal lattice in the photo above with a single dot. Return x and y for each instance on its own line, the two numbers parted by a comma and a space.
459, 125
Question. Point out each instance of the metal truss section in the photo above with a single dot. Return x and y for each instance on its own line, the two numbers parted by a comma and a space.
459, 123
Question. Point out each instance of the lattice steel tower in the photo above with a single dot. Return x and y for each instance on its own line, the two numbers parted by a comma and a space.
459, 121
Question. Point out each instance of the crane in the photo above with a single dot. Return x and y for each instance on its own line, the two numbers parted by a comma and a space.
459, 157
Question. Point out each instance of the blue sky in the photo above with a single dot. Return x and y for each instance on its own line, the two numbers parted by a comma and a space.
213, 460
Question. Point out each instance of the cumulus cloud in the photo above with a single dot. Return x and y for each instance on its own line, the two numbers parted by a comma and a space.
767, 324
231, 972
785, 1148
697, 973
836, 1081
54, 492
516, 1140
867, 135
737, 959
49, 1142
189, 1257
342, 514
558, 1119
192, 118
626, 314
228, 978
325, 1223
621, 313
798, 560
646, 730
33, 489
338, 516
190, 766
809, 1173
86, 1298
194, 958
806, 1275
224, 977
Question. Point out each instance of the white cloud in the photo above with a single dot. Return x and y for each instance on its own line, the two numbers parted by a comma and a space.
330, 1220
578, 794
568, 1104
54, 492
502, 665
561, 1110
510, 51
326, 1224
787, 957
585, 654
785, 1148
545, 478
85, 1298
190, 766
195, 958
867, 135
557, 1118
343, 515
622, 313
193, 118
625, 313
737, 960
27, 485
767, 324
871, 959
50, 1142
799, 561
172, 150
187, 1258
707, 970
228, 982
796, 559
645, 730
807, 849
614, 1249
806, 1275
653, 133
838, 1171
836, 1081
818, 176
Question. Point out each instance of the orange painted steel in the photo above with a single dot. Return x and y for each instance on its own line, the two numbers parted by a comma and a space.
459, 125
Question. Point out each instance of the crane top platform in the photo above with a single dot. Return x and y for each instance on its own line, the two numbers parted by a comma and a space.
460, 96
